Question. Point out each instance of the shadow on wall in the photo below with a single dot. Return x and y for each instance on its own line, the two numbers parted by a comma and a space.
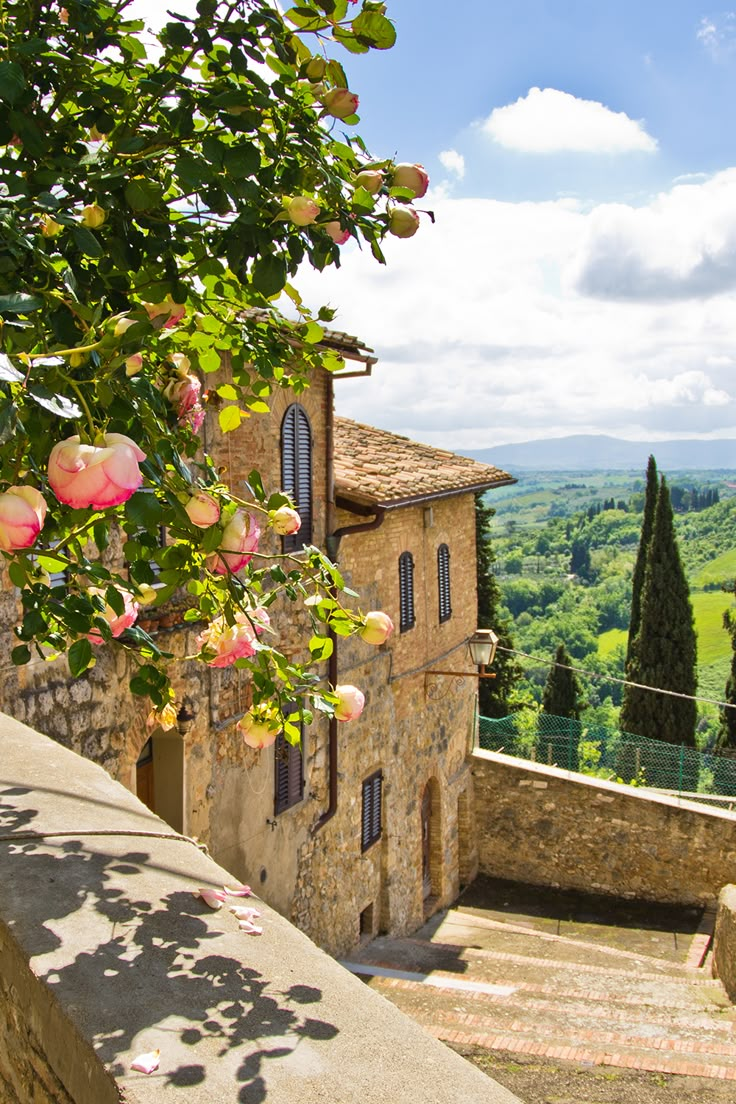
152, 971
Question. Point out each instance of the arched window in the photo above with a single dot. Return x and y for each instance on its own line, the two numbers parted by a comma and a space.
406, 592
296, 471
443, 582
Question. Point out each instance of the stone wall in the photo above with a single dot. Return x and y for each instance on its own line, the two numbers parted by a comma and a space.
724, 940
543, 826
106, 953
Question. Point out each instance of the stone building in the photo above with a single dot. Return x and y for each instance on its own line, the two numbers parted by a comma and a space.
369, 827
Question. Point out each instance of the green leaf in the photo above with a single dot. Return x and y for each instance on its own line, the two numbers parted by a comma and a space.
55, 404
18, 573
256, 485
115, 600
86, 242
242, 160
320, 648
142, 194
20, 655
313, 333
12, 82
229, 418
269, 275
307, 19
144, 510
80, 655
376, 28
227, 391
19, 302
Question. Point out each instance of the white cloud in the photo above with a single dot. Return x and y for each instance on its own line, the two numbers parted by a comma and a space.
484, 335
682, 245
549, 121
454, 162
718, 34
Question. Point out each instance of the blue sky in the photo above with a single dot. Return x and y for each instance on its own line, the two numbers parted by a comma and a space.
581, 273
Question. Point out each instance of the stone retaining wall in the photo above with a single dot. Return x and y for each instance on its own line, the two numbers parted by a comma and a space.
548, 827
724, 940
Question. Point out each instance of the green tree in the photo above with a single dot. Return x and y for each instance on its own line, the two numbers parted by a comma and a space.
493, 694
152, 194
664, 653
637, 582
561, 697
727, 730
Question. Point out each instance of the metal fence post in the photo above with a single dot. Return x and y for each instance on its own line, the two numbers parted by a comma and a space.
682, 767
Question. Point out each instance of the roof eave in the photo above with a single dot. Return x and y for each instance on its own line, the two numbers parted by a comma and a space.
418, 500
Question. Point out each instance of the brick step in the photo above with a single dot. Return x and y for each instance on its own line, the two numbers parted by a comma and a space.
613, 984
690, 1031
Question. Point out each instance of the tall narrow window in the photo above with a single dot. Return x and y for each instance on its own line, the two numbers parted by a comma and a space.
443, 582
371, 824
406, 592
289, 774
296, 471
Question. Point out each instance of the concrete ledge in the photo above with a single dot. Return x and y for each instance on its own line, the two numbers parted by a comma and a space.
105, 953
724, 940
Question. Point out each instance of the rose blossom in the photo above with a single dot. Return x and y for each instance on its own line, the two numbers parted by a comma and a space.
340, 103
257, 733
231, 642
302, 210
22, 514
166, 314
285, 521
377, 628
133, 364
403, 222
118, 622
239, 542
370, 179
165, 717
336, 232
414, 177
350, 702
203, 510
93, 215
184, 390
93, 475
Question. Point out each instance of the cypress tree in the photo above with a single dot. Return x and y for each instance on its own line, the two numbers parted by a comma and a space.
727, 731
493, 694
562, 690
663, 653
637, 582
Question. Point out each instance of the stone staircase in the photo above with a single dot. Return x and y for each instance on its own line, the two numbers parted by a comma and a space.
563, 977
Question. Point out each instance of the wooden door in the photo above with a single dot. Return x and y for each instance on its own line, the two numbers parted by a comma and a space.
144, 776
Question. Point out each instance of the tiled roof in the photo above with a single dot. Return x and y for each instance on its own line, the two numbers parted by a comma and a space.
374, 467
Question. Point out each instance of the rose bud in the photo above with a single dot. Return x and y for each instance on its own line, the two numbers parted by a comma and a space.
122, 325
258, 733
414, 177
50, 227
340, 103
96, 135
350, 703
377, 628
118, 622
93, 216
302, 210
403, 222
239, 542
285, 521
203, 510
133, 364
336, 232
22, 514
316, 68
145, 594
370, 179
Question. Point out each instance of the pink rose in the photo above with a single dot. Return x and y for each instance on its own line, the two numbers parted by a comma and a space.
96, 476
239, 542
203, 510
133, 364
231, 642
166, 314
350, 703
370, 179
403, 222
336, 232
195, 417
414, 177
183, 392
285, 521
22, 514
302, 210
258, 733
340, 103
118, 622
377, 628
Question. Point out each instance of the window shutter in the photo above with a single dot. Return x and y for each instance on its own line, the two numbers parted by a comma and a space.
289, 774
371, 820
443, 582
406, 592
296, 471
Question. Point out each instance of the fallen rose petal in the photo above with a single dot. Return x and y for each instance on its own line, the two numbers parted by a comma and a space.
250, 929
211, 897
146, 1063
238, 890
243, 913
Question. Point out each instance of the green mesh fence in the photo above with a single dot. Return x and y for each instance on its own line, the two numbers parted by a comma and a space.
608, 753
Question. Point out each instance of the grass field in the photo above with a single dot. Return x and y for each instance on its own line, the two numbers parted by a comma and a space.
720, 570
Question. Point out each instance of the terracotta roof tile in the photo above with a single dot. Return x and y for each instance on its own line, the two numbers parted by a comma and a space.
373, 466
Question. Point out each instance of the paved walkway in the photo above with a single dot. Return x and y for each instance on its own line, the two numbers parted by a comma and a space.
564, 977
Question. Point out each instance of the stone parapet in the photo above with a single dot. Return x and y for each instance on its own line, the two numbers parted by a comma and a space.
724, 940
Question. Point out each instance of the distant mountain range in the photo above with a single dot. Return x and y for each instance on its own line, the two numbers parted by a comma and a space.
587, 452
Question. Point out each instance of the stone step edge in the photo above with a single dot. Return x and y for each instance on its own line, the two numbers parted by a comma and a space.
582, 1054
